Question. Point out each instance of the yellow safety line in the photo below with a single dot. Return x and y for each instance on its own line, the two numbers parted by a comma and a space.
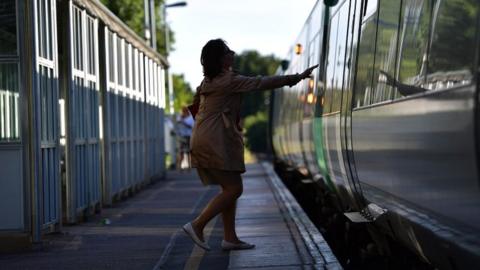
197, 253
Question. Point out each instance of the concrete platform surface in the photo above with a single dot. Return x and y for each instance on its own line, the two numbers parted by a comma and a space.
145, 231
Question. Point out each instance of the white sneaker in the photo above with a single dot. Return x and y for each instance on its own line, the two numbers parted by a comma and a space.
191, 232
233, 246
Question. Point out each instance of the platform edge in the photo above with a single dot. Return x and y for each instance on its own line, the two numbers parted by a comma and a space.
314, 242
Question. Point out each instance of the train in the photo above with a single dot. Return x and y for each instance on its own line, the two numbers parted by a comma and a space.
386, 131
82, 101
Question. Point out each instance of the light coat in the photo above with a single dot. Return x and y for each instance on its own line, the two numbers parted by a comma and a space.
217, 140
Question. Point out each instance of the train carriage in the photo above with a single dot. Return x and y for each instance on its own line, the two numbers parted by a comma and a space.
394, 130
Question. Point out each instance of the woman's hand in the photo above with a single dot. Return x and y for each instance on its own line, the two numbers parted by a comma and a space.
307, 72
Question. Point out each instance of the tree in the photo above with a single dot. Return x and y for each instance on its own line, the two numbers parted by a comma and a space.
459, 17
256, 132
161, 42
132, 13
129, 11
183, 92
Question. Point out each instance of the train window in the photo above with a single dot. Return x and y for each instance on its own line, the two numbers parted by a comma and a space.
450, 65
8, 27
412, 51
316, 20
370, 8
340, 58
310, 95
351, 45
319, 91
366, 54
330, 70
386, 50
9, 101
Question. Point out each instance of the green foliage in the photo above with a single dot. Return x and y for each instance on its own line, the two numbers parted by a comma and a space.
182, 91
251, 63
132, 13
256, 135
459, 17
161, 41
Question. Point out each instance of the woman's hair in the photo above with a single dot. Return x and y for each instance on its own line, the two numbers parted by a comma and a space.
211, 58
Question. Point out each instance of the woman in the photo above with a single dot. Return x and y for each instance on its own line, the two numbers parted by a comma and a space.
217, 143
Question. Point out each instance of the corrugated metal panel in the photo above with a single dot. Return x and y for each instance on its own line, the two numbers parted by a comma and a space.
83, 152
130, 79
46, 104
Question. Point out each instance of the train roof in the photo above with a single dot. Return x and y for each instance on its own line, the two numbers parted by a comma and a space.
302, 29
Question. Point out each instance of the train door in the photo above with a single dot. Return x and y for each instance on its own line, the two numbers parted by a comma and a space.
351, 46
298, 91
308, 109
412, 119
310, 96
337, 80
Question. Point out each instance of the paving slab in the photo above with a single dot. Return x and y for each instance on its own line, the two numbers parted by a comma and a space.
145, 231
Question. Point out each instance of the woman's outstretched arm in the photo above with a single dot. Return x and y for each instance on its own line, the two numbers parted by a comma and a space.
244, 84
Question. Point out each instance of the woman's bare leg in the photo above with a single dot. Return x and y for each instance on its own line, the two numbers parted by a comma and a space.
228, 217
231, 191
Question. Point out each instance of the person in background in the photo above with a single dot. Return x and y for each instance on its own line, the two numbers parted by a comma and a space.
184, 131
217, 142
170, 141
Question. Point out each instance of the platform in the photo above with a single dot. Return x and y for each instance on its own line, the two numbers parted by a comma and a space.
144, 232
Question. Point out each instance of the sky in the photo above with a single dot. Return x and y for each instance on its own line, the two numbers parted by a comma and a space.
268, 26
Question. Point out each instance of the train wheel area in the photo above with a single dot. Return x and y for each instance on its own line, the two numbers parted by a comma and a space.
144, 232
355, 245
